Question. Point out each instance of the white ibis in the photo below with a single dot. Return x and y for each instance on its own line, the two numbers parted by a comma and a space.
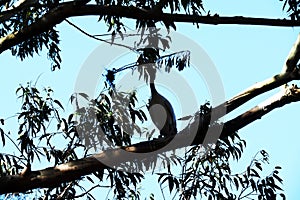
161, 110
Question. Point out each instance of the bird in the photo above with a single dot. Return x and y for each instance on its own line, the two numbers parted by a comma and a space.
161, 110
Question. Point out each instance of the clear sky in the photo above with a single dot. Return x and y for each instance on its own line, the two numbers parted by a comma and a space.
243, 55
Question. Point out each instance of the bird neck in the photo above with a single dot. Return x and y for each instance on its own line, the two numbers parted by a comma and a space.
152, 87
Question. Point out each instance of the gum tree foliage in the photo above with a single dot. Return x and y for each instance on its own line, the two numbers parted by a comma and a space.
29, 27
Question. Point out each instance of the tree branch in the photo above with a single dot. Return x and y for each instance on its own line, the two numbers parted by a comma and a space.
292, 58
291, 94
289, 73
51, 177
17, 7
77, 8
45, 23
96, 38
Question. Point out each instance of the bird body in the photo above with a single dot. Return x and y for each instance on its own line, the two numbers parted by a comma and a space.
162, 113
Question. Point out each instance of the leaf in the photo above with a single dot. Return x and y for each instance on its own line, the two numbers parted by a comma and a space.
19, 88
283, 7
165, 43
72, 98
8, 160
90, 179
84, 95
132, 115
236, 182
47, 154
143, 114
277, 187
58, 126
138, 114
253, 185
151, 196
64, 126
121, 34
44, 135
70, 118
161, 175
248, 171
2, 136
264, 153
254, 173
283, 196
184, 3
59, 104
278, 178
113, 36
16, 163
185, 118
171, 183
258, 165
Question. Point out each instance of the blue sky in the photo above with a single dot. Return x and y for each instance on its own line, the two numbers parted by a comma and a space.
243, 55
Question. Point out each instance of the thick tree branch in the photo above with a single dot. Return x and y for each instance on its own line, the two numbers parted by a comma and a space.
289, 73
260, 88
291, 94
53, 176
49, 177
45, 23
293, 57
17, 7
77, 8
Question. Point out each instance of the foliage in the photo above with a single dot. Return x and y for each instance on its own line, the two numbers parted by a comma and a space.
204, 171
292, 7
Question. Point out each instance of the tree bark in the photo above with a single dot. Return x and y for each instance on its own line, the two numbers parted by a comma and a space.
53, 176
78, 8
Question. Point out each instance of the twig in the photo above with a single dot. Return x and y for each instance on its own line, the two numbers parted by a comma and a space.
162, 191
81, 195
61, 195
14, 143
92, 36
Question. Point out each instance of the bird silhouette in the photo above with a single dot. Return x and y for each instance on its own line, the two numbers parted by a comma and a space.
161, 110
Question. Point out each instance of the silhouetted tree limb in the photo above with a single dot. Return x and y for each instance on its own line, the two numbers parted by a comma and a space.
291, 94
74, 170
289, 72
293, 57
53, 176
78, 8
49, 177
17, 7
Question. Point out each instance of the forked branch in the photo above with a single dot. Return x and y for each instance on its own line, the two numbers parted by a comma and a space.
78, 8
53, 176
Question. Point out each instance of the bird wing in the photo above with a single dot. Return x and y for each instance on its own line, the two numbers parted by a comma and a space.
170, 124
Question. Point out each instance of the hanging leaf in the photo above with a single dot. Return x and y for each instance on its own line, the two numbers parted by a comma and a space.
2, 136
59, 104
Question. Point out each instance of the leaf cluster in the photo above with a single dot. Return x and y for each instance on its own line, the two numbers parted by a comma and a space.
292, 8
109, 121
206, 173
